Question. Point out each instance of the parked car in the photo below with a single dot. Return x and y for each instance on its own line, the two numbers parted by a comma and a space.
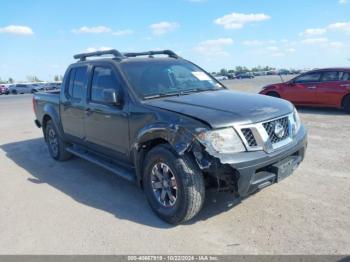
170, 127
52, 86
4, 90
245, 75
220, 77
328, 87
25, 88
231, 76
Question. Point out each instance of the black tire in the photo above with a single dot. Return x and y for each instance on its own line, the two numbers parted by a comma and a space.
14, 92
346, 104
55, 144
189, 183
273, 94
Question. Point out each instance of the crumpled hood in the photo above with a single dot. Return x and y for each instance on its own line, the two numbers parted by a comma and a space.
224, 107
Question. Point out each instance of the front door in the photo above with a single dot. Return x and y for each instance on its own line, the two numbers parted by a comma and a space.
107, 125
303, 89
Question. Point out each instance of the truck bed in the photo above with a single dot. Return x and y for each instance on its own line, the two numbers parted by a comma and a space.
45, 99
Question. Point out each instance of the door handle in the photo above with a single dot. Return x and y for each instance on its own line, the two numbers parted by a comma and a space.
88, 112
311, 87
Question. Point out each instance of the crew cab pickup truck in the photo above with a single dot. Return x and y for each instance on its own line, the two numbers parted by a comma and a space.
167, 125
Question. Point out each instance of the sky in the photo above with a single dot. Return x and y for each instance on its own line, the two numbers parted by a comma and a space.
40, 37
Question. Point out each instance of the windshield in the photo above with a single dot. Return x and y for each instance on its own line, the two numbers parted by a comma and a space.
151, 79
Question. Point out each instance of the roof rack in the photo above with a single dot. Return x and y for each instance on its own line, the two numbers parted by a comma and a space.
113, 52
152, 53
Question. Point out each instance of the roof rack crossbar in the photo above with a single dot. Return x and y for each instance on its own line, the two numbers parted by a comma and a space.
113, 52
151, 53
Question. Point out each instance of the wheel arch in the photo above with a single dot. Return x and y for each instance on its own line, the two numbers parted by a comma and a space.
50, 113
178, 139
343, 100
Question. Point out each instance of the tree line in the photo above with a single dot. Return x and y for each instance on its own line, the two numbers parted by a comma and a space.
32, 79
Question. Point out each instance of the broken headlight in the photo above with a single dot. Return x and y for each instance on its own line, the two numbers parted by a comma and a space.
222, 140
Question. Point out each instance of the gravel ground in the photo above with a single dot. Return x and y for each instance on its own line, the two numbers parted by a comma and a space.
75, 207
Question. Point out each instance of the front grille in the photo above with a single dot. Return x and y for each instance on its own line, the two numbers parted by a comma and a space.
270, 129
248, 134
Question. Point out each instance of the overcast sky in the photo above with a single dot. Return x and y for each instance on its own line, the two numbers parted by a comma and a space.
40, 37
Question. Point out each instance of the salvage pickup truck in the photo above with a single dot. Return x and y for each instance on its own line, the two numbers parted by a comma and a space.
164, 123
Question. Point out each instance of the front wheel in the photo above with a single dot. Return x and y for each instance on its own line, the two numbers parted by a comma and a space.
174, 185
347, 104
55, 144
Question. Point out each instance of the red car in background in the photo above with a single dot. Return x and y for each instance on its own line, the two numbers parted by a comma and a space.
4, 89
322, 87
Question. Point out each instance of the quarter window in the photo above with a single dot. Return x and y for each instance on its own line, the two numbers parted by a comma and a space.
103, 79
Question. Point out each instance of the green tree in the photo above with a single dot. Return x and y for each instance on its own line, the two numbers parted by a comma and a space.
223, 72
11, 80
33, 79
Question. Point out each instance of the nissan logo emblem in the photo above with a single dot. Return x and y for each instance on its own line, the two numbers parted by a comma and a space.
279, 130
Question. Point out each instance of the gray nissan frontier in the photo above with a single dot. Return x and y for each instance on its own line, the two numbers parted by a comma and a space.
167, 125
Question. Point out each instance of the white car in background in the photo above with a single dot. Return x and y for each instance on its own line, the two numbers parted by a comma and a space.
221, 78
25, 88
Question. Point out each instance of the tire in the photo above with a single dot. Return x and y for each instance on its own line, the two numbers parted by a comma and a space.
14, 92
55, 144
273, 94
346, 104
186, 184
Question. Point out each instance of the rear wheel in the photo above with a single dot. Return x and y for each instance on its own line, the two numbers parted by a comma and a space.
14, 92
55, 144
174, 185
273, 94
346, 104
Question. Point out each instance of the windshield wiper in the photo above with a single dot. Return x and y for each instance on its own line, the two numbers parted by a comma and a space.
161, 95
186, 92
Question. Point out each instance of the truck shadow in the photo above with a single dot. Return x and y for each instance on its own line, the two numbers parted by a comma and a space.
93, 186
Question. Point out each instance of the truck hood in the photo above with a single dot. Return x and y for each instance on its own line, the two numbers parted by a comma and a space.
224, 108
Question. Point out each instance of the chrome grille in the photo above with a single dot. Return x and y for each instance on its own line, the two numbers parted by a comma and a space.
248, 134
270, 129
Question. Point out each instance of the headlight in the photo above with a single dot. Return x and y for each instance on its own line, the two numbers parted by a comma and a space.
296, 121
222, 140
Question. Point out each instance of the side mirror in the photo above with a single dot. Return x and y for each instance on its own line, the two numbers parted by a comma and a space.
112, 97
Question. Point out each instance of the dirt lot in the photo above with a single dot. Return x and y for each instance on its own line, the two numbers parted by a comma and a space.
75, 207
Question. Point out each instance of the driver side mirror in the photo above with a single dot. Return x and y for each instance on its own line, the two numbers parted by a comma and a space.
112, 97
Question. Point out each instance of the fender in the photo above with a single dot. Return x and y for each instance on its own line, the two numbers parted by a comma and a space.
178, 137
53, 114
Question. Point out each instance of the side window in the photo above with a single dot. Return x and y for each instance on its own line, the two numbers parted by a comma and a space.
345, 76
103, 79
309, 78
330, 76
77, 82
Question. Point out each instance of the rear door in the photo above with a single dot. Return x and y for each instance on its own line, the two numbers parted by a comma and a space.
107, 126
303, 89
72, 104
331, 88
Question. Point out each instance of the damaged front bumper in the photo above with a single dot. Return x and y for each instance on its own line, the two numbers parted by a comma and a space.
257, 169
260, 169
